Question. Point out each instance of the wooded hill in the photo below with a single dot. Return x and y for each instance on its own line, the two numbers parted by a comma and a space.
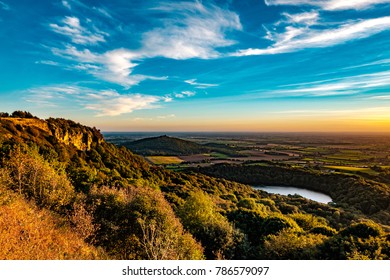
65, 193
165, 145
171, 146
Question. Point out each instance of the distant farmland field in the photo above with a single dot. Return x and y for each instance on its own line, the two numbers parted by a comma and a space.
164, 159
351, 169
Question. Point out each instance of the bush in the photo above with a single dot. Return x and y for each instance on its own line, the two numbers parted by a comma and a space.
217, 235
288, 244
138, 223
363, 230
307, 221
324, 230
248, 203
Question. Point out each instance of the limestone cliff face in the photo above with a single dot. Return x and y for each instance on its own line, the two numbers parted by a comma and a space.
71, 133
64, 131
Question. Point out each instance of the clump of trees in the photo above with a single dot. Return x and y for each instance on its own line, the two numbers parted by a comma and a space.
17, 114
38, 179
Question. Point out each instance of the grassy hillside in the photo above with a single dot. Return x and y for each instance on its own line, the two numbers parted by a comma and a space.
28, 232
97, 200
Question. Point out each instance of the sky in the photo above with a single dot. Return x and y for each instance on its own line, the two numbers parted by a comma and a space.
233, 65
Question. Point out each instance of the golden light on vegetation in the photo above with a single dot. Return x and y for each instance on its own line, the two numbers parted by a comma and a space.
29, 233
65, 193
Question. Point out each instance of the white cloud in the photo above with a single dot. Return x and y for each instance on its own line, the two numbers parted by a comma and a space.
184, 94
113, 66
330, 5
192, 31
103, 12
51, 96
381, 112
116, 104
307, 18
167, 99
103, 102
341, 86
72, 53
66, 4
47, 62
119, 65
297, 38
378, 62
380, 97
189, 30
4, 6
196, 84
79, 35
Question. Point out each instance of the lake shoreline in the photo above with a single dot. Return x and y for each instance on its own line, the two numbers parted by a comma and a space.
289, 190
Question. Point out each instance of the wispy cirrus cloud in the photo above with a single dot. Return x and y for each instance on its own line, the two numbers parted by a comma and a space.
302, 37
112, 66
378, 112
196, 84
190, 30
383, 62
104, 12
184, 94
331, 5
340, 86
71, 28
66, 4
51, 96
306, 18
103, 102
115, 104
108, 102
4, 6
47, 62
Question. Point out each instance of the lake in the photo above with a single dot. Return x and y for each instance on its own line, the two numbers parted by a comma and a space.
313, 195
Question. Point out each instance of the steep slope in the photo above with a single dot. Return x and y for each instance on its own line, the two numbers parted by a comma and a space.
30, 233
44, 132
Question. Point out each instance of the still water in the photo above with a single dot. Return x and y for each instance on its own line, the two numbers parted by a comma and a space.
313, 195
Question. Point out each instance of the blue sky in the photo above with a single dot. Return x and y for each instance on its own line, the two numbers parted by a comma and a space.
254, 65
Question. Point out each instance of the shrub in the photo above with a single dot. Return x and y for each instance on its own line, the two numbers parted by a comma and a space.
288, 244
363, 230
138, 223
217, 235
308, 221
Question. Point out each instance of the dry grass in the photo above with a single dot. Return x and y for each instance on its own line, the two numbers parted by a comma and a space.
165, 159
29, 233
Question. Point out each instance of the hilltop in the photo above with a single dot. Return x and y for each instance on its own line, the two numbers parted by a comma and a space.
171, 146
165, 145
87, 198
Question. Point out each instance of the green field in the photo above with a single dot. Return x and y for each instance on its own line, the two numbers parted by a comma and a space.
219, 155
352, 169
